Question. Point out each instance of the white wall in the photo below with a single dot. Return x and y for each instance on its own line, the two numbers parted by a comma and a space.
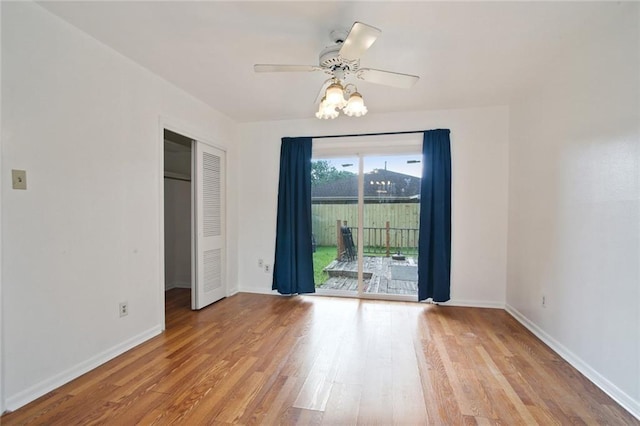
177, 233
480, 161
2, 399
85, 123
574, 210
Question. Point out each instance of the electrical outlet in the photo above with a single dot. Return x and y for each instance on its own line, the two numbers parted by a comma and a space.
260, 263
124, 309
267, 268
544, 301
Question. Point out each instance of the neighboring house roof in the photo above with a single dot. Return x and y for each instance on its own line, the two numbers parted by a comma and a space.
379, 185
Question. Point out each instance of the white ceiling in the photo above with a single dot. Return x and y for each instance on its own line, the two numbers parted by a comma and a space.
467, 54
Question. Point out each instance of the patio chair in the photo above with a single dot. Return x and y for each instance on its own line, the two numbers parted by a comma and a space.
349, 253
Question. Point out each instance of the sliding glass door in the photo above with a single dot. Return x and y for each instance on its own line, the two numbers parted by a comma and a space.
365, 213
334, 215
391, 210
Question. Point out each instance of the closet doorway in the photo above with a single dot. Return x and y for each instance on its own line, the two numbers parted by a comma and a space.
178, 217
194, 220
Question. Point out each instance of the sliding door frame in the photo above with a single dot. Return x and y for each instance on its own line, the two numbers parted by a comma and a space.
361, 147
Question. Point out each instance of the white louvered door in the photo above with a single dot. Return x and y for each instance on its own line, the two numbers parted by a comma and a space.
209, 209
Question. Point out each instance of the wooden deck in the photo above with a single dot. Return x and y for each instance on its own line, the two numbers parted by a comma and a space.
380, 276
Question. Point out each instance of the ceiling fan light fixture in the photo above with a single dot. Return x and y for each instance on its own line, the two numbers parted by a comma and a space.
335, 95
341, 61
326, 111
355, 106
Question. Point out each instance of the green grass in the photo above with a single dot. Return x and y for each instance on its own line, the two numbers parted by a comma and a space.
323, 256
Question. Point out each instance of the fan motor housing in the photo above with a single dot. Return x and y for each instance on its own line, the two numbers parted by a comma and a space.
330, 58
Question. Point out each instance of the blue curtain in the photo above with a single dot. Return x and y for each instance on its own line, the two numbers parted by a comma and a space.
434, 247
293, 265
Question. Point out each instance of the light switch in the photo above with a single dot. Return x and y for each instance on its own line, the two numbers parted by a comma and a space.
19, 178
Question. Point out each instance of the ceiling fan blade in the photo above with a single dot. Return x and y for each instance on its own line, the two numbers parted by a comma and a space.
285, 68
323, 88
360, 38
387, 78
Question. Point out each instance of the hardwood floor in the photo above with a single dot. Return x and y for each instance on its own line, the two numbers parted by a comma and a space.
259, 359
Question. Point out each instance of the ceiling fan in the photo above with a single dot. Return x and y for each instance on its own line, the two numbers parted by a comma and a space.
341, 60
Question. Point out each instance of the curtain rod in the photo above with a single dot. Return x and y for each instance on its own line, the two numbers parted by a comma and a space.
367, 134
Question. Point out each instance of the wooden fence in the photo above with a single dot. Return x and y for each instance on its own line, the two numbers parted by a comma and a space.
381, 241
392, 225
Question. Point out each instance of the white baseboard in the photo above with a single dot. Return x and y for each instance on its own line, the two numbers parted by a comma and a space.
181, 285
36, 391
474, 303
626, 401
257, 290
187, 286
452, 302
177, 284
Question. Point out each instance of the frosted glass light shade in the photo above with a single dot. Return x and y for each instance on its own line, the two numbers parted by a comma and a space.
335, 95
326, 110
355, 107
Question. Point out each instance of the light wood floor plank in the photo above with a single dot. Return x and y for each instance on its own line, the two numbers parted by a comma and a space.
266, 360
